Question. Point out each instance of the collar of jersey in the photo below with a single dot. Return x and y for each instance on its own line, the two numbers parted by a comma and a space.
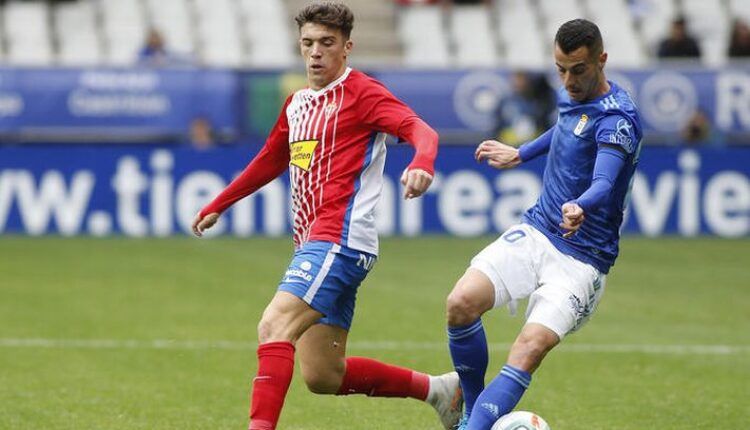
332, 84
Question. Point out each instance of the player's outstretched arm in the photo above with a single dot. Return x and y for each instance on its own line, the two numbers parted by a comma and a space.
266, 166
202, 223
497, 154
537, 147
271, 161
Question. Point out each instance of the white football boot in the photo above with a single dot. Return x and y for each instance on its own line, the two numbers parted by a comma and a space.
446, 397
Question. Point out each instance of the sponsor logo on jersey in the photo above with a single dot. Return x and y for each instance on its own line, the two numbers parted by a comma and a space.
581, 124
296, 273
301, 153
622, 135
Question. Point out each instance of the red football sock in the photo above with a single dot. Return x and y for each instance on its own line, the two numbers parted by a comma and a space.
275, 368
376, 379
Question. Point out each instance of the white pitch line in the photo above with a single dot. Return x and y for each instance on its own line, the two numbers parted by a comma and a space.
164, 344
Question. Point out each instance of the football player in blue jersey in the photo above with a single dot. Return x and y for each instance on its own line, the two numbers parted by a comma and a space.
560, 254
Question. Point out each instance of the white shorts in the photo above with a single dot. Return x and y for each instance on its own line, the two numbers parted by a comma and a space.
563, 292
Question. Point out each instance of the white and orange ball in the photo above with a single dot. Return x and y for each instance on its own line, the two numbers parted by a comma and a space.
521, 420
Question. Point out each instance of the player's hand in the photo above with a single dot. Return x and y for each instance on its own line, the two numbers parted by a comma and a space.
497, 154
415, 182
202, 224
573, 217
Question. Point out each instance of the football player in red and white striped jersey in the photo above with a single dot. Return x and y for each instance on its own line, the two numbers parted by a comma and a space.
331, 137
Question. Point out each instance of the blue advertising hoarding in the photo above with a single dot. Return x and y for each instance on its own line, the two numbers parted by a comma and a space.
137, 103
457, 102
145, 191
115, 104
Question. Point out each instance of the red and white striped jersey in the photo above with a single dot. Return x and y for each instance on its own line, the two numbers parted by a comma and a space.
333, 142
337, 154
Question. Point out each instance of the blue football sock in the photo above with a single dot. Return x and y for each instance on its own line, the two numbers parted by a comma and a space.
499, 398
468, 346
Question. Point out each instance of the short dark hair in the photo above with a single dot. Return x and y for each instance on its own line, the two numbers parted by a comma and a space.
331, 14
579, 32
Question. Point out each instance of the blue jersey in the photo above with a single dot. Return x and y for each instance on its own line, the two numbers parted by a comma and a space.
581, 128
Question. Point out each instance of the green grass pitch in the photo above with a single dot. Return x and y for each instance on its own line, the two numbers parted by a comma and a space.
119, 334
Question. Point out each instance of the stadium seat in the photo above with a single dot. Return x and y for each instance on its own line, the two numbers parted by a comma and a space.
75, 18
26, 19
475, 47
657, 17
421, 30
122, 53
26, 27
556, 12
124, 43
124, 27
610, 10
521, 36
266, 32
617, 25
78, 36
23, 53
622, 44
80, 51
222, 54
740, 9
217, 24
708, 21
121, 14
173, 19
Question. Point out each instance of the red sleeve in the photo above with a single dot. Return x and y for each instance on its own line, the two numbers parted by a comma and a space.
271, 161
382, 111
424, 140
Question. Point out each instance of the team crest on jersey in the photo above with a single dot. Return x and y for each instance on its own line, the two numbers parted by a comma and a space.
330, 109
581, 124
301, 152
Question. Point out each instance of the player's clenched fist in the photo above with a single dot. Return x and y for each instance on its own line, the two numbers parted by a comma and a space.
415, 182
497, 154
572, 218
201, 224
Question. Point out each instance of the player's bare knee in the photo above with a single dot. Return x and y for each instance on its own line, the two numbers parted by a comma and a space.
321, 386
265, 331
461, 308
272, 329
528, 351
322, 381
532, 347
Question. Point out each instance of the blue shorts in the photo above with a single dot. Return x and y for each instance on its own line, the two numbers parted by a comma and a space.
326, 276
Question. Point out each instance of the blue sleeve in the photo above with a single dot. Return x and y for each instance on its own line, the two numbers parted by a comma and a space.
609, 161
536, 147
617, 130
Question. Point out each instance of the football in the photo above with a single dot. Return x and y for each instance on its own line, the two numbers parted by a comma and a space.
521, 420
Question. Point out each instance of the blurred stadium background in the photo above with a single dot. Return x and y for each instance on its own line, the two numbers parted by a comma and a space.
119, 119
